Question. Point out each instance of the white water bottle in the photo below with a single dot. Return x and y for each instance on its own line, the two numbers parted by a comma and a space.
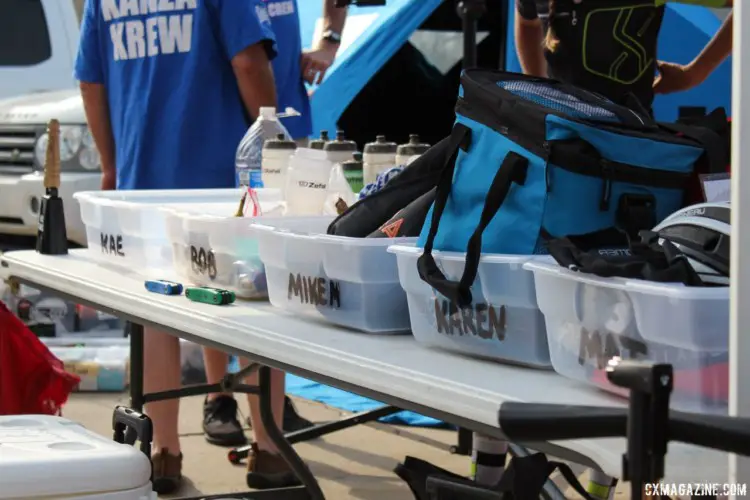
249, 158
488, 459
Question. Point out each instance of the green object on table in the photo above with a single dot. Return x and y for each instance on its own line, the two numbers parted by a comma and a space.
206, 295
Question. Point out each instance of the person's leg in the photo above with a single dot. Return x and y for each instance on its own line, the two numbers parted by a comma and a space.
161, 358
220, 423
266, 469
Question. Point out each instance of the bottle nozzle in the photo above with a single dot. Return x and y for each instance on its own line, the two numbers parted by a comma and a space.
340, 135
268, 112
324, 135
380, 138
414, 138
280, 137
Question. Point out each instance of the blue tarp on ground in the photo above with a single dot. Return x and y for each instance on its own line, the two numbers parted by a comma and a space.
342, 400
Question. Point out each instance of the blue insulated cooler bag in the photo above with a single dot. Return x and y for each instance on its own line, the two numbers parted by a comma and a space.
534, 159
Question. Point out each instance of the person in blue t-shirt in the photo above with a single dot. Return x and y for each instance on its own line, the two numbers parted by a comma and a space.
292, 67
169, 87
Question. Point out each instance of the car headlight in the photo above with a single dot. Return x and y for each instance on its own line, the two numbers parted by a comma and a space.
77, 149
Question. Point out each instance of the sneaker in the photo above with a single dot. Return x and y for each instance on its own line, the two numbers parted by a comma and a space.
167, 471
220, 424
293, 421
266, 470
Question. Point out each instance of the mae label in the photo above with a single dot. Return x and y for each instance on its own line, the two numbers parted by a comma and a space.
480, 320
112, 244
314, 290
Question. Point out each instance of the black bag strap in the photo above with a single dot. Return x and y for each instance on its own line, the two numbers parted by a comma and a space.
513, 169
716, 151
525, 477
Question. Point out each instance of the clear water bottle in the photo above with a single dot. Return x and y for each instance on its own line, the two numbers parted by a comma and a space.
249, 157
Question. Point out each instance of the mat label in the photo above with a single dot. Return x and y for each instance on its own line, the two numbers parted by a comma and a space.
603, 346
314, 290
203, 262
480, 320
112, 244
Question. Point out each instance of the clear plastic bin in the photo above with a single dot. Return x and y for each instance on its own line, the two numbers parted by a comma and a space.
102, 364
351, 282
591, 319
128, 228
219, 251
503, 324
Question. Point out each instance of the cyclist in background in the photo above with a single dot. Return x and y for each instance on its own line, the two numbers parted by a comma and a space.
610, 47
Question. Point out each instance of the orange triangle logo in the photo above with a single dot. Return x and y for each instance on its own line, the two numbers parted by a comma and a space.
391, 230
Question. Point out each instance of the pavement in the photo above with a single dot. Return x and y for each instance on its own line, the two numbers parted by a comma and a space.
355, 463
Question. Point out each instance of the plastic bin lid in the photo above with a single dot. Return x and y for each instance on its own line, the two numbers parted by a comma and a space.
45, 456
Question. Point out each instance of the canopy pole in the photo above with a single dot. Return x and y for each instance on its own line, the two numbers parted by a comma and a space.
739, 340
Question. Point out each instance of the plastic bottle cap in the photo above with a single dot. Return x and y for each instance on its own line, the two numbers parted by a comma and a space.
354, 164
340, 144
381, 146
413, 147
280, 142
268, 112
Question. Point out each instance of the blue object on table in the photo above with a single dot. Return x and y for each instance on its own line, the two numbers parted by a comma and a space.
380, 181
164, 287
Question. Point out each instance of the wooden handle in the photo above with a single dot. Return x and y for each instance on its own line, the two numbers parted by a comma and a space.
241, 209
52, 163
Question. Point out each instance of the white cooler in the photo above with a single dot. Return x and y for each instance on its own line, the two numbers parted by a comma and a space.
44, 457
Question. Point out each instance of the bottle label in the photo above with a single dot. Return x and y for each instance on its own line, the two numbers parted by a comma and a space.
244, 177
256, 179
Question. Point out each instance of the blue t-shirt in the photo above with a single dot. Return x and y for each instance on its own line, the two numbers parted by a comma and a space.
290, 87
175, 108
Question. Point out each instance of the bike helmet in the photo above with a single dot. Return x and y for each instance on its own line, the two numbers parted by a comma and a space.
702, 233
718, 211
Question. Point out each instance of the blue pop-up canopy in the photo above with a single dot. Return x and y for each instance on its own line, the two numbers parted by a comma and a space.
383, 30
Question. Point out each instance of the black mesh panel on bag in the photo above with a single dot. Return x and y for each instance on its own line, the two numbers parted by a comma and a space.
548, 96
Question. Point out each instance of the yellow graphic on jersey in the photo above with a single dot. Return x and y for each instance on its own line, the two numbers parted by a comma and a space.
627, 26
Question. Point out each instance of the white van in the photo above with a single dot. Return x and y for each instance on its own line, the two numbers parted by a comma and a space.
38, 44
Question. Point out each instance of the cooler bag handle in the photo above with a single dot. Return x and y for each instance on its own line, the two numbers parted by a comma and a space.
513, 169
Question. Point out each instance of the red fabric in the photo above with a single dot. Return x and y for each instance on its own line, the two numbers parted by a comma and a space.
32, 379
710, 382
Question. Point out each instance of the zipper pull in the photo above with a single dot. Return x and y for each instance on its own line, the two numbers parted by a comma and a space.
607, 186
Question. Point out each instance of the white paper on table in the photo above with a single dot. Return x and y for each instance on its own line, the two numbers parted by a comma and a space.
717, 188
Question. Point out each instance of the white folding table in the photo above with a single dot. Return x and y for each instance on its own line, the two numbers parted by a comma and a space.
392, 369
